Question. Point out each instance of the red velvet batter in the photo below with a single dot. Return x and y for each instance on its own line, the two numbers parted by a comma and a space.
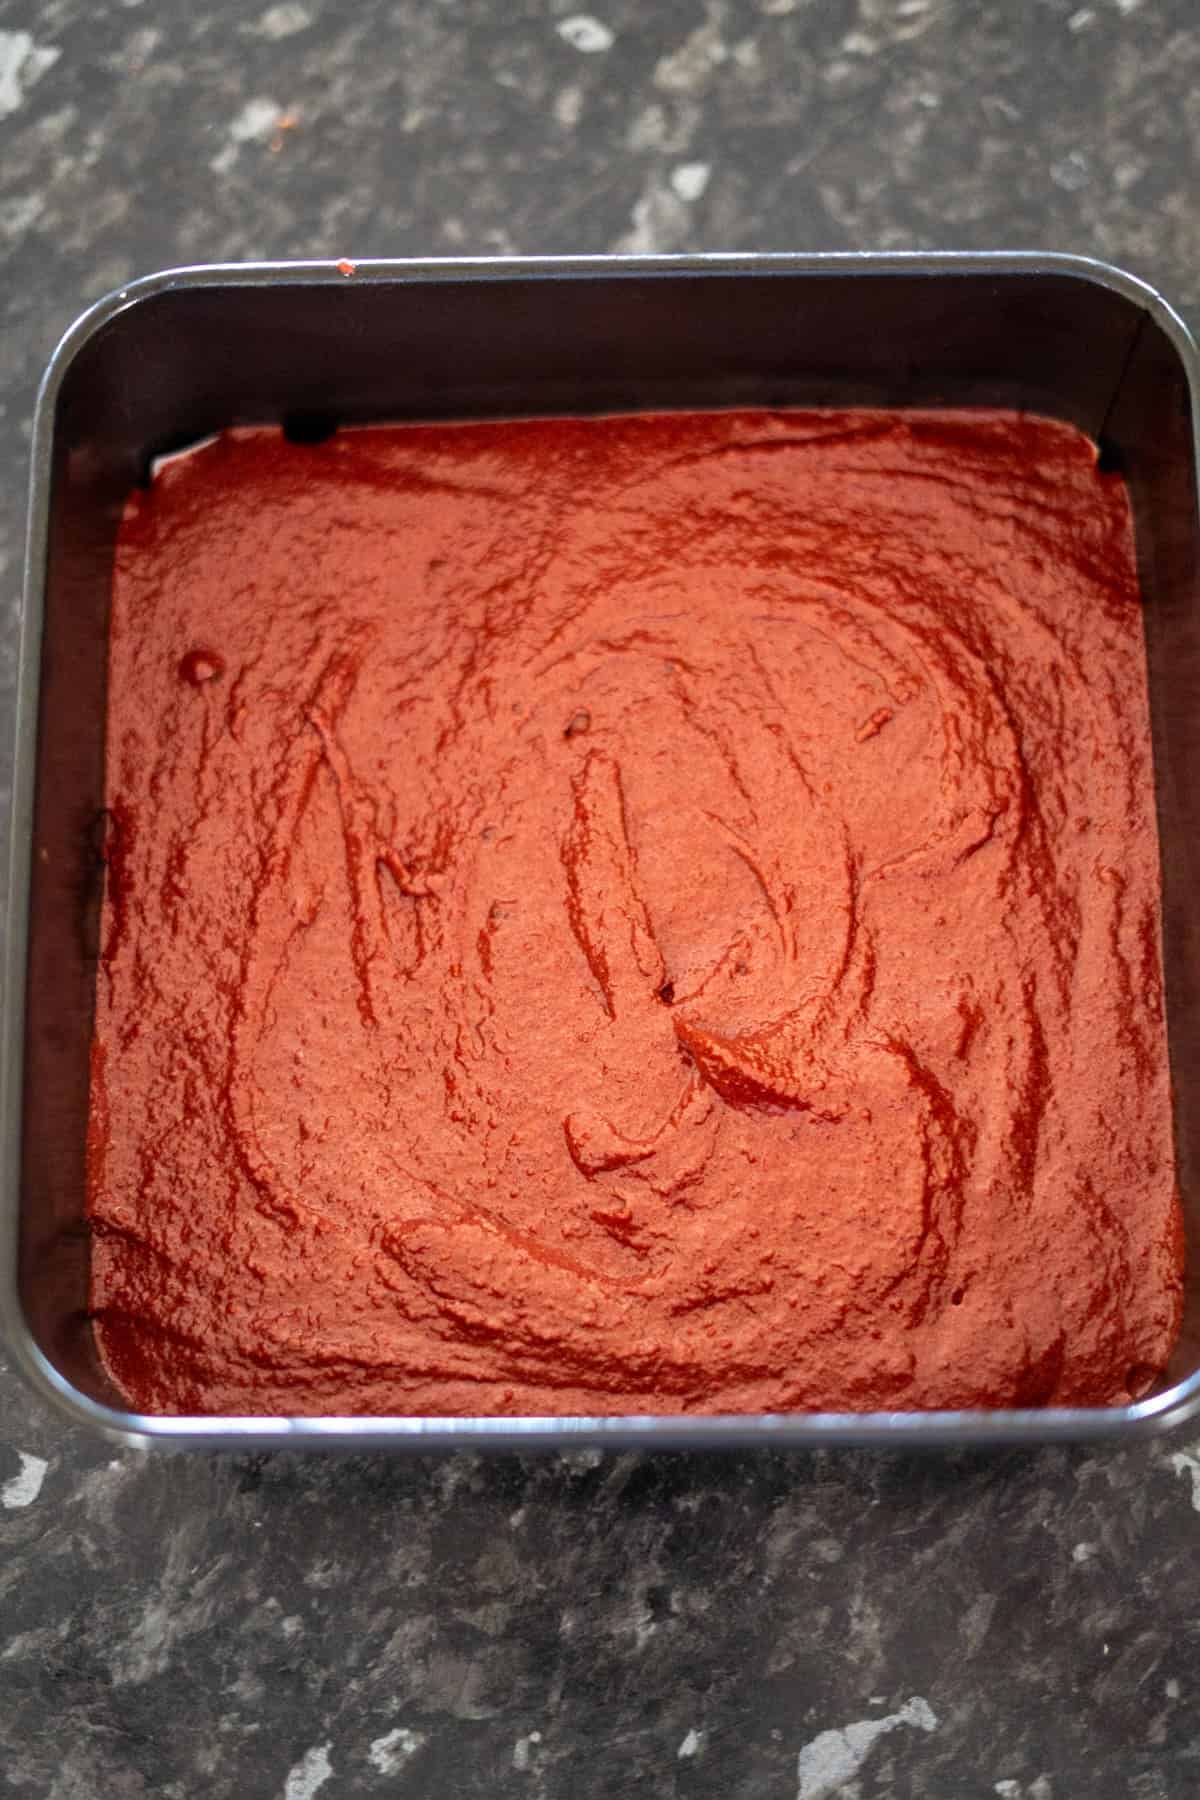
632, 915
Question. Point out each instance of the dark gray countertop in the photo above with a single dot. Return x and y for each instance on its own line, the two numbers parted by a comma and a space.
747, 1627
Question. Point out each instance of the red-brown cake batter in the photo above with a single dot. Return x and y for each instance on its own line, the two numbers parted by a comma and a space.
653, 914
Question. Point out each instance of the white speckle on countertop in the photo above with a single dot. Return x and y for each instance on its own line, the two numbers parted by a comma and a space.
568, 105
1171, 1687
254, 124
833, 1758
584, 33
1008, 1790
660, 222
140, 48
257, 119
1188, 1465
283, 21
690, 1745
648, 129
18, 214
1083, 1553
690, 179
25, 1486
22, 63
583, 1461
698, 55
523, 1750
310, 1773
390, 1752
1071, 172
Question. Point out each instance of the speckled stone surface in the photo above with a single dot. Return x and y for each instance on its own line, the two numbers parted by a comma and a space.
749, 1627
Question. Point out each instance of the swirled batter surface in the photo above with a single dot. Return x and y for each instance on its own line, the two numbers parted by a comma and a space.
631, 915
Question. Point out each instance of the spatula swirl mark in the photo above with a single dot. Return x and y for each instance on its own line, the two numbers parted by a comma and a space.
315, 744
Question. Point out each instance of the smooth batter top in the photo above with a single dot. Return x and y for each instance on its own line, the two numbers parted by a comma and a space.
627, 915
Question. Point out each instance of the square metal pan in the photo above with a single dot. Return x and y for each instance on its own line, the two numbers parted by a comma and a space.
182, 354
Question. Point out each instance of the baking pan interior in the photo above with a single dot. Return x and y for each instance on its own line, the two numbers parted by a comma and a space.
189, 357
